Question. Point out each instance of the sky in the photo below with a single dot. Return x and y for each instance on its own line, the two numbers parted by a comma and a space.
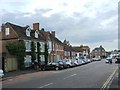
86, 22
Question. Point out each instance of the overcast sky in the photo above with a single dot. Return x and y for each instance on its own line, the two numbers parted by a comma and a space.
87, 22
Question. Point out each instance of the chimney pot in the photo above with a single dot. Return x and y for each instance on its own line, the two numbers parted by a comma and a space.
53, 33
42, 29
35, 26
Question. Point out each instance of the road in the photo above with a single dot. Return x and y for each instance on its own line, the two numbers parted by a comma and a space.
92, 75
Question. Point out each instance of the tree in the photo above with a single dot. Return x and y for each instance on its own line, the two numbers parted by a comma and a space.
33, 56
46, 54
17, 48
21, 53
66, 42
11, 47
38, 52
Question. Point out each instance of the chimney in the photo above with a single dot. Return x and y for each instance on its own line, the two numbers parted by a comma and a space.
35, 26
2, 27
53, 33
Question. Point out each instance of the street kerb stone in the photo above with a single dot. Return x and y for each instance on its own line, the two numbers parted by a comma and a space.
0, 83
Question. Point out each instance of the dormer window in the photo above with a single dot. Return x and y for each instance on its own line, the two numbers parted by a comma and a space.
36, 34
7, 31
28, 32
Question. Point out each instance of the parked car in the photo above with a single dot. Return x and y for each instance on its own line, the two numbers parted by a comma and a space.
83, 62
70, 63
92, 59
109, 60
79, 62
1, 73
106, 61
64, 64
117, 60
96, 59
75, 62
53, 66
86, 60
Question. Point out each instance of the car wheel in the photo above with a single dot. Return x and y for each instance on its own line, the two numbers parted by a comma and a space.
43, 69
68, 66
56, 68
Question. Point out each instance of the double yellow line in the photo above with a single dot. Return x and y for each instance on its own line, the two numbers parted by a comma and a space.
108, 80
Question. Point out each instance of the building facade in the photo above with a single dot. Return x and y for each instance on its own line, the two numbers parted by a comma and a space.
82, 52
98, 52
11, 32
55, 46
69, 52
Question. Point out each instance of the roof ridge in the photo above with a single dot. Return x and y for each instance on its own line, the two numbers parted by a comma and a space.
16, 25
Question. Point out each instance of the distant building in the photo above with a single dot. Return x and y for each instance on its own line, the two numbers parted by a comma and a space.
114, 53
98, 52
82, 51
69, 52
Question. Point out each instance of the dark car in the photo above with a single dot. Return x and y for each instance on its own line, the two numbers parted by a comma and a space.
117, 60
53, 66
109, 59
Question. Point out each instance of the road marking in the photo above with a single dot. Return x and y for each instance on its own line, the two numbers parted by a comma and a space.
108, 80
46, 85
70, 76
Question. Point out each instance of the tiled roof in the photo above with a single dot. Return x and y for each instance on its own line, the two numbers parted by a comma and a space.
21, 31
78, 49
81, 48
68, 48
99, 48
48, 35
40, 36
53, 38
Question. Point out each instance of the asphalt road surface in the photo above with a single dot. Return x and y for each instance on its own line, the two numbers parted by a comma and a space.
93, 75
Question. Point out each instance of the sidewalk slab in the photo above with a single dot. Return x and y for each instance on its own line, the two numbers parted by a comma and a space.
9, 75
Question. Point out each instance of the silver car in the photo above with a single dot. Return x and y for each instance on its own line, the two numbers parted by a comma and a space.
1, 73
69, 62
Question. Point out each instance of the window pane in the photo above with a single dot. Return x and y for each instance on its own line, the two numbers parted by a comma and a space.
7, 31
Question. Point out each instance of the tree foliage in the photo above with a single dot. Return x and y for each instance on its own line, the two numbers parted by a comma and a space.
17, 48
46, 54
38, 52
33, 56
65, 42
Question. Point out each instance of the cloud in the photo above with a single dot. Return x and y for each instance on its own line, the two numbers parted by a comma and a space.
89, 22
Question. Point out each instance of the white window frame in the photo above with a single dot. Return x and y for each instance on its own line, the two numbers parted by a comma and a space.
28, 49
28, 32
42, 57
35, 46
27, 61
42, 46
36, 34
65, 53
7, 31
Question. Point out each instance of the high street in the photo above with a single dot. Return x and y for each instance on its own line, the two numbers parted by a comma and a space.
96, 74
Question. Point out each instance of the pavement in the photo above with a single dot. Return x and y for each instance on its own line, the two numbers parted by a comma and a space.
12, 74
